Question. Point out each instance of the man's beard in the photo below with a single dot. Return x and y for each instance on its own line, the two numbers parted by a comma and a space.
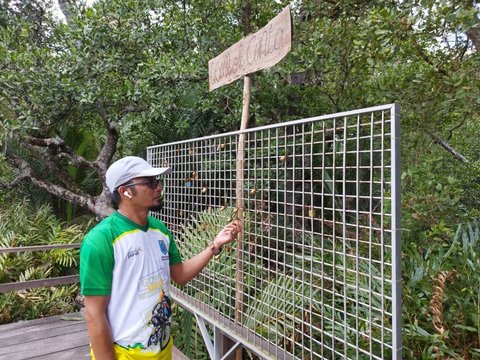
158, 207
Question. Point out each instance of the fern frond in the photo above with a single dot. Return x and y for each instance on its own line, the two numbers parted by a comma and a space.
27, 274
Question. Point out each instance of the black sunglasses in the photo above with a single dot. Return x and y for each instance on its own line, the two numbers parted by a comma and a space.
152, 183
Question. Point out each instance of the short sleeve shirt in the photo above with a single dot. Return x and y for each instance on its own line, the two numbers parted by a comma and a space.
131, 264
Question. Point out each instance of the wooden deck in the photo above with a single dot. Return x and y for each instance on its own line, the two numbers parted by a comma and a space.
53, 338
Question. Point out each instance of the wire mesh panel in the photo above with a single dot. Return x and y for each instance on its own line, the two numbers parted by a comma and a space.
317, 274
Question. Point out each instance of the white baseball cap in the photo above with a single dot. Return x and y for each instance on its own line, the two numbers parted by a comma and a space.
128, 168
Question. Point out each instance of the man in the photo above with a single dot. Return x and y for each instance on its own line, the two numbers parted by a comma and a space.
126, 263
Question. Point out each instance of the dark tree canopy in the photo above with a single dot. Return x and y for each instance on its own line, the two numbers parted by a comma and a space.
121, 75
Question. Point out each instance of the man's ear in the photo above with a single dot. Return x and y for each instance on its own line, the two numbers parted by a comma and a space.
124, 193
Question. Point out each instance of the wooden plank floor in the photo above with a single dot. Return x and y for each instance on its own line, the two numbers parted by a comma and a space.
53, 338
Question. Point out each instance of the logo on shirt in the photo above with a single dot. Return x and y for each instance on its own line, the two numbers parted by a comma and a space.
151, 284
163, 247
133, 253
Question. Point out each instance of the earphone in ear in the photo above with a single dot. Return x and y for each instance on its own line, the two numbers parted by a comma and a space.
127, 194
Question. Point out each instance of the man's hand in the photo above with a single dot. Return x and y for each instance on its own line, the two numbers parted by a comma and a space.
228, 233
183, 272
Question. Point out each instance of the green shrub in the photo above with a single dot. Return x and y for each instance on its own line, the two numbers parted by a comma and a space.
22, 225
441, 298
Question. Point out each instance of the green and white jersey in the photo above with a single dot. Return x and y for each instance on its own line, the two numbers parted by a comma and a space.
131, 264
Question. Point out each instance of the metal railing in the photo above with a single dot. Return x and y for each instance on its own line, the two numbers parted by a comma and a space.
317, 272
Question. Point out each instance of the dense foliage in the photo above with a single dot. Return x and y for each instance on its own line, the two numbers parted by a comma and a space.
23, 225
121, 75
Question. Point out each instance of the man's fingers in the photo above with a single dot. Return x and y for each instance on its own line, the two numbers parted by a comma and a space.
231, 230
237, 224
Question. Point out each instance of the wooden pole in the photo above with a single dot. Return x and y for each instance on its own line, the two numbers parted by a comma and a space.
240, 200
253, 53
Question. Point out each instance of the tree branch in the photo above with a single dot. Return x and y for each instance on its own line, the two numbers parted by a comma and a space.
11, 185
47, 142
24, 172
246, 14
63, 151
450, 132
99, 205
425, 58
50, 164
474, 35
447, 147
110, 146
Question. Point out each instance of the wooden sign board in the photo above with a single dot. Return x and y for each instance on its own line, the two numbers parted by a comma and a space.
257, 51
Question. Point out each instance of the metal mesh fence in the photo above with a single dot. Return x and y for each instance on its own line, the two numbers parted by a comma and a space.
317, 273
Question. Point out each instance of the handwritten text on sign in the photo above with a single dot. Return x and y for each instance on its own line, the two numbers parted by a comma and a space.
258, 51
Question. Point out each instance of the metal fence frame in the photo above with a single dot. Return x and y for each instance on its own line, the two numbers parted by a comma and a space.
203, 185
